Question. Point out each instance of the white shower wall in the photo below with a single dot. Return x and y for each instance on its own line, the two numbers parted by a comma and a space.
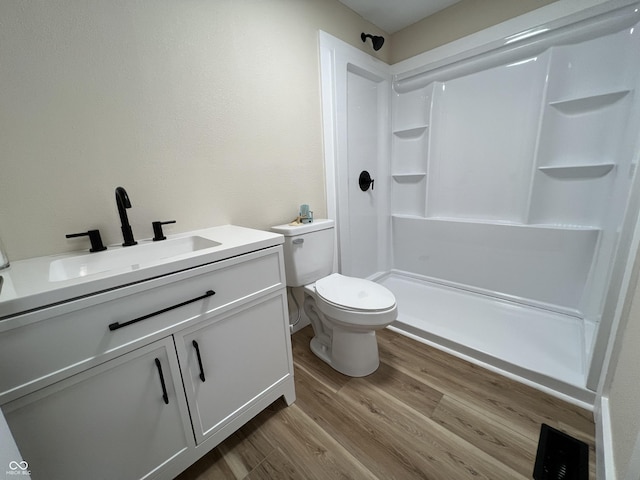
542, 266
507, 176
366, 127
512, 182
483, 142
355, 93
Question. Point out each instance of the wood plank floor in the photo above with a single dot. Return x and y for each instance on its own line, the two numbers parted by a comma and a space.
422, 414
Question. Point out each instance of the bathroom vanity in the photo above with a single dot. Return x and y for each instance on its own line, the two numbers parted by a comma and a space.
114, 368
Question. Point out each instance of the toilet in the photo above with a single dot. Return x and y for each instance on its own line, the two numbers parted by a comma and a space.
345, 312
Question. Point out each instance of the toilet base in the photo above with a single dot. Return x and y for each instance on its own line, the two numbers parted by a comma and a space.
320, 350
352, 353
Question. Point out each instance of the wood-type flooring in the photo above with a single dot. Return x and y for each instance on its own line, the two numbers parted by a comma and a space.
423, 414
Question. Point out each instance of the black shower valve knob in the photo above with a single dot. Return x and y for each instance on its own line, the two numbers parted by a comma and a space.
365, 181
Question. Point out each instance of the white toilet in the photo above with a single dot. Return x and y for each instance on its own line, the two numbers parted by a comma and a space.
344, 311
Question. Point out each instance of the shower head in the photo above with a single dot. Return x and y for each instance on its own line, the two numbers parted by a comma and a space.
375, 40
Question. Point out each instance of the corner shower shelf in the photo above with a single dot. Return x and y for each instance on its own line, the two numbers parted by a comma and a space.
590, 103
408, 177
578, 171
415, 132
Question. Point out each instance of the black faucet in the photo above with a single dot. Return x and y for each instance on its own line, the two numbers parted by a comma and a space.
122, 200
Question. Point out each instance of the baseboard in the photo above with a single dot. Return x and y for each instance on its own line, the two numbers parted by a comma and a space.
605, 464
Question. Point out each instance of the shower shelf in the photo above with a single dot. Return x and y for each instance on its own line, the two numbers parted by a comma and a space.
587, 104
565, 226
497, 223
408, 177
415, 132
578, 171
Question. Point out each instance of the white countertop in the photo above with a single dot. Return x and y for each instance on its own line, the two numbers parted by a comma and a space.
27, 283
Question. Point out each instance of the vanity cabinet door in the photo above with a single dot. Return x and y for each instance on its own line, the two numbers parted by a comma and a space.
230, 361
122, 419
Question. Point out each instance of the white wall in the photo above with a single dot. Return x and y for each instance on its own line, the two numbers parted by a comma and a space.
459, 20
618, 402
624, 393
207, 112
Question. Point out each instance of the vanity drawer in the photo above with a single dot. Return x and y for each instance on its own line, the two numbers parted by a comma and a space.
45, 346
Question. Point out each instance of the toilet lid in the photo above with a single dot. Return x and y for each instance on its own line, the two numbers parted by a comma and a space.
354, 293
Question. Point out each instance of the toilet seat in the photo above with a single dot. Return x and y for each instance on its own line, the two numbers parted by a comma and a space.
368, 305
354, 294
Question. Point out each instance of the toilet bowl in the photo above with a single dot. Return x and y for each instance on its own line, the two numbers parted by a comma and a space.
344, 311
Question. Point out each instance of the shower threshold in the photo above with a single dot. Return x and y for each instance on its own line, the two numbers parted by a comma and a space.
541, 348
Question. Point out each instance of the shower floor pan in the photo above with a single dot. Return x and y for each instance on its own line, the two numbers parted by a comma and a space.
539, 347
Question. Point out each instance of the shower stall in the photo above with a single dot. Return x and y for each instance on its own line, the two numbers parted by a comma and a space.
504, 182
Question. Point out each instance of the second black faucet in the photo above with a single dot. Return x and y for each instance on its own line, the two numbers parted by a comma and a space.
123, 202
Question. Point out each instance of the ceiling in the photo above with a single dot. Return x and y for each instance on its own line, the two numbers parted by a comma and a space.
394, 15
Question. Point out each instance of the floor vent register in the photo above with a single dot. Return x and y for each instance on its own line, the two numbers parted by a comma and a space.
560, 456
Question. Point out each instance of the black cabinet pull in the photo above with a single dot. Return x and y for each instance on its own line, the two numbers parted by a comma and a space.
195, 345
117, 325
165, 397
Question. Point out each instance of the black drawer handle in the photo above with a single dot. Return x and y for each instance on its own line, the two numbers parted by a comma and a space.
165, 397
195, 345
117, 325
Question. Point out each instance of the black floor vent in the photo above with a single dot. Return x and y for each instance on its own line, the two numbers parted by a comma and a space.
560, 456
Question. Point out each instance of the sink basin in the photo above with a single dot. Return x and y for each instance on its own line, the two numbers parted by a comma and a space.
131, 258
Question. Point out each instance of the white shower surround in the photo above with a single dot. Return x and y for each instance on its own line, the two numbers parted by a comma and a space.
504, 262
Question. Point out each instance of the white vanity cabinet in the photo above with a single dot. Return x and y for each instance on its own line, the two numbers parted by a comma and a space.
108, 422
112, 385
229, 362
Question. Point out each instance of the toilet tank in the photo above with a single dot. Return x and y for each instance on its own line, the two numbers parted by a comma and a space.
308, 251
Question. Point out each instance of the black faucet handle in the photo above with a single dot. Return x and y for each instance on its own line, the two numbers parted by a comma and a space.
157, 230
94, 238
